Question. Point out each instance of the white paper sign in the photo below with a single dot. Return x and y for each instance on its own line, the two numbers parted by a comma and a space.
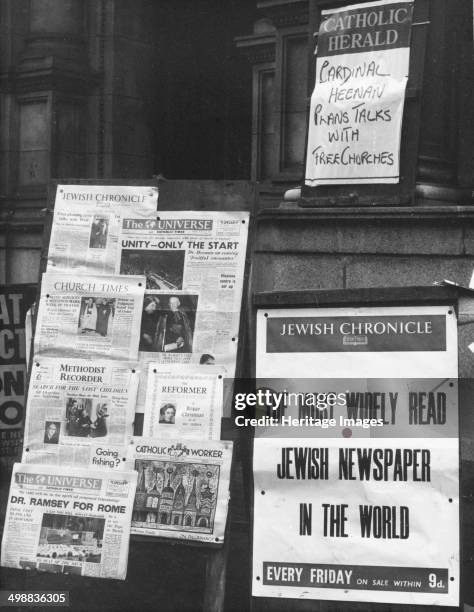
357, 103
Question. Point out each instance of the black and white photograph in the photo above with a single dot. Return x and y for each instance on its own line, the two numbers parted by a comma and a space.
86, 418
163, 269
282, 190
167, 414
71, 538
99, 232
52, 430
168, 323
96, 316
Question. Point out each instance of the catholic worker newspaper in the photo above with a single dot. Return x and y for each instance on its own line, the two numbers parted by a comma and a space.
183, 401
89, 316
75, 404
182, 489
69, 520
85, 233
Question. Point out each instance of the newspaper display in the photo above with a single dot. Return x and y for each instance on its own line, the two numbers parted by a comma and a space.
85, 234
70, 521
74, 404
183, 402
359, 503
357, 104
89, 316
182, 489
14, 302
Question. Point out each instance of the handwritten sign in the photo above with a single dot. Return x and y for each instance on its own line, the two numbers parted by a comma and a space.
357, 103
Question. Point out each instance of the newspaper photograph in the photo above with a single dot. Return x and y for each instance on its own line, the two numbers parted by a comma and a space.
89, 316
85, 233
69, 520
183, 401
194, 267
182, 488
74, 403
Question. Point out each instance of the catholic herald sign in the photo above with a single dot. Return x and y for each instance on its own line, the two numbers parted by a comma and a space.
370, 516
357, 104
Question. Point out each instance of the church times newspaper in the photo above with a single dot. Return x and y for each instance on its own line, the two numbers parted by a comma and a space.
75, 407
69, 520
359, 506
85, 233
182, 488
183, 401
89, 316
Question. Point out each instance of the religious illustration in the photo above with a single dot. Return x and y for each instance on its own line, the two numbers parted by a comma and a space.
176, 495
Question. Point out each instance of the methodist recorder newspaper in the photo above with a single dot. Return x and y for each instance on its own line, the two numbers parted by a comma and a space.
89, 316
75, 405
69, 520
183, 488
85, 233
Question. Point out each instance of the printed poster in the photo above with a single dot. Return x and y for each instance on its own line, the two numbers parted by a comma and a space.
358, 502
15, 300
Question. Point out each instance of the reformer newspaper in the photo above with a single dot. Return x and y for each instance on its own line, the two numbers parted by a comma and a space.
182, 489
183, 401
69, 520
85, 234
75, 405
89, 316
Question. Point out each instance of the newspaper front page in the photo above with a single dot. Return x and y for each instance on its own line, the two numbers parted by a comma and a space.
194, 263
69, 520
85, 234
183, 401
73, 404
89, 316
183, 488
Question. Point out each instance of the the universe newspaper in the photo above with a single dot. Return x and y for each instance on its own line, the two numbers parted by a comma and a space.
71, 521
182, 489
85, 234
183, 401
195, 262
89, 316
75, 405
